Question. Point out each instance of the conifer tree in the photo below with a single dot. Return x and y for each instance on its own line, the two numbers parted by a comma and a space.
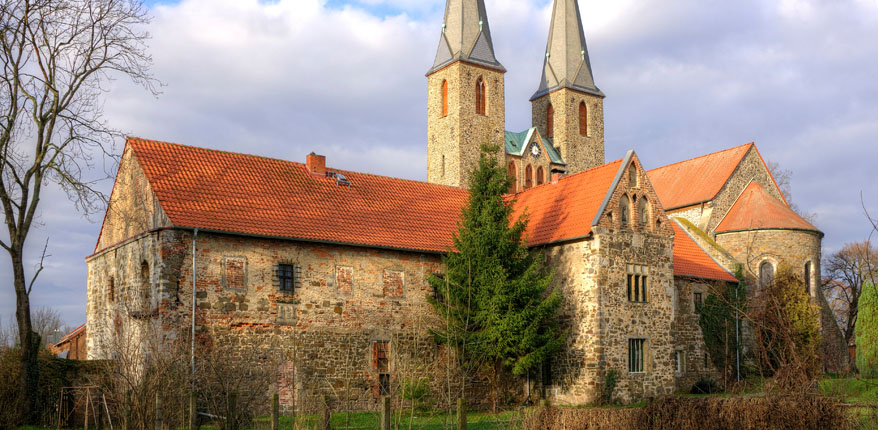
495, 295
867, 332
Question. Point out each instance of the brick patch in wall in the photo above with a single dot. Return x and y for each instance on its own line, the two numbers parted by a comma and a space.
393, 283
235, 273
344, 280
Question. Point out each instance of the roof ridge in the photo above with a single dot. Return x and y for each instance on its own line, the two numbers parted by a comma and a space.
220, 151
563, 178
703, 156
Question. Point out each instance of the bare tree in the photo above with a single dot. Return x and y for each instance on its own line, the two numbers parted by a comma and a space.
846, 272
57, 57
783, 178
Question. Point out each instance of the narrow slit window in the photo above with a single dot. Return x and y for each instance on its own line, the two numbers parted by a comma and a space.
583, 119
481, 97
444, 98
550, 122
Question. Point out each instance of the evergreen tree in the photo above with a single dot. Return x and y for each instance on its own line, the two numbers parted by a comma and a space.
867, 332
495, 296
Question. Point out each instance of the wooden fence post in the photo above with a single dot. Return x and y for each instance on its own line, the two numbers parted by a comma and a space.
232, 414
461, 414
327, 415
193, 411
275, 407
385, 413
158, 411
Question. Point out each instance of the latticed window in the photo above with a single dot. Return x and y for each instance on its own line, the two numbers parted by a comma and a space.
638, 278
481, 97
635, 355
583, 119
286, 277
550, 122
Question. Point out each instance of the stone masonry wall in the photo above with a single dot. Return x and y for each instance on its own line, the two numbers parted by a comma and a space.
751, 168
133, 208
795, 248
687, 334
579, 152
454, 140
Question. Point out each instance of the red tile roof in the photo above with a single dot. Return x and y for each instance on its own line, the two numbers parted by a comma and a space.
756, 209
697, 180
230, 192
692, 261
566, 209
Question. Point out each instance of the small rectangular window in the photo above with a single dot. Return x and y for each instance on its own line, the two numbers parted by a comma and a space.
381, 364
699, 301
638, 277
384, 384
679, 365
286, 277
635, 355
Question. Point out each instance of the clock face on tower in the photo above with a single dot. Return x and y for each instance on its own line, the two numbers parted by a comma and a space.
535, 149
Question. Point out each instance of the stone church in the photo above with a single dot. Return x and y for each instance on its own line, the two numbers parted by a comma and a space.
282, 255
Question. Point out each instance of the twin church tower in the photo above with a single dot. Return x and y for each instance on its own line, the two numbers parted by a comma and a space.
467, 102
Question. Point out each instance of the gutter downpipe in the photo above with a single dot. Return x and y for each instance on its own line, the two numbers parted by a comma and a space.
194, 238
737, 338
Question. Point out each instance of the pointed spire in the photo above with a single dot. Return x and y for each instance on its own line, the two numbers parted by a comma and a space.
566, 64
466, 36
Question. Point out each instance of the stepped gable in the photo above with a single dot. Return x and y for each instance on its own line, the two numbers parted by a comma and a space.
756, 209
691, 261
565, 209
236, 193
696, 180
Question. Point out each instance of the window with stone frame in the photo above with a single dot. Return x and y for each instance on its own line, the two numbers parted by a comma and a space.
287, 278
344, 280
583, 119
513, 177
481, 97
643, 212
235, 273
679, 361
381, 365
632, 176
528, 177
636, 355
394, 283
698, 300
624, 211
637, 283
444, 98
766, 273
540, 175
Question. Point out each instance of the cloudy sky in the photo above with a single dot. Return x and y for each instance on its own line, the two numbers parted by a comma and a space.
345, 78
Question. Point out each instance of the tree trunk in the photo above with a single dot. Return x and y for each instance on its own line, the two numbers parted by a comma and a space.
30, 341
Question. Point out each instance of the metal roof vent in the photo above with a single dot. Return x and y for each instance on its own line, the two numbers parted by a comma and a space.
339, 178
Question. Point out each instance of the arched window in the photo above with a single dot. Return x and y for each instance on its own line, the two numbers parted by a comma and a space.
632, 176
481, 97
624, 211
550, 122
510, 173
528, 177
808, 277
643, 212
583, 119
145, 299
766, 273
540, 176
444, 98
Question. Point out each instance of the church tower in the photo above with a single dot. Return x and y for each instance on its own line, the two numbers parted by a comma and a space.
466, 95
568, 108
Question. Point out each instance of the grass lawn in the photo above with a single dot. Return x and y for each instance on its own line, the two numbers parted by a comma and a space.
860, 391
371, 420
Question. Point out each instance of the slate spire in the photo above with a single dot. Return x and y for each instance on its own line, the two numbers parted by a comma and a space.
566, 64
466, 36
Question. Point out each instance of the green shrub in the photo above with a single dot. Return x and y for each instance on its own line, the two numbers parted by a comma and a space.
867, 332
610, 380
705, 385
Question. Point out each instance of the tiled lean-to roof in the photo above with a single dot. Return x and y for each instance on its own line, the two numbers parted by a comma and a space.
566, 209
696, 180
230, 192
692, 261
756, 209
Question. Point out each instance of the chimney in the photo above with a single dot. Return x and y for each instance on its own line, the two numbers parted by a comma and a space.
316, 164
556, 176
